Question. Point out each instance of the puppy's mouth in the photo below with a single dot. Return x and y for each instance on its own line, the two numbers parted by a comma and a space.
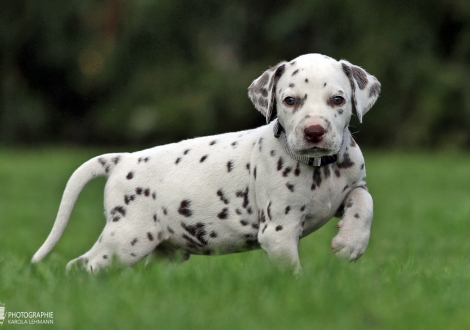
316, 152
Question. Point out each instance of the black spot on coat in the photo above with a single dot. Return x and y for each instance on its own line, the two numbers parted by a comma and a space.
230, 166
290, 186
244, 194
222, 197
346, 162
197, 230
262, 217
264, 228
280, 163
317, 176
119, 209
286, 171
129, 198
297, 169
244, 222
268, 211
223, 214
191, 243
184, 208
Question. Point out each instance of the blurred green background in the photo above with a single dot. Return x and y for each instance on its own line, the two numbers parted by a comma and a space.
142, 72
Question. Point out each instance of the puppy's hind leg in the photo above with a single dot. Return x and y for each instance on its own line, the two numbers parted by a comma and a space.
89, 262
121, 245
94, 260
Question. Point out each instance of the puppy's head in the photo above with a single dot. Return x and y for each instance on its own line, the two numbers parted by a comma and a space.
314, 96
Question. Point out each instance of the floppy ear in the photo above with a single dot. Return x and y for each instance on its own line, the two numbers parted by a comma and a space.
262, 91
365, 88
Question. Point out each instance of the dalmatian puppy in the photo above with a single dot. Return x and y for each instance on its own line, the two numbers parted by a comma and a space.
262, 188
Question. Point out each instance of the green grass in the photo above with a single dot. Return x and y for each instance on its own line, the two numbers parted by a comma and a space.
414, 275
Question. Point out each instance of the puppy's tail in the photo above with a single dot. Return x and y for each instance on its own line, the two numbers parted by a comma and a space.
95, 167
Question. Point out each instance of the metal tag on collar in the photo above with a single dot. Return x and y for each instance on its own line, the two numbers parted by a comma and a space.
317, 162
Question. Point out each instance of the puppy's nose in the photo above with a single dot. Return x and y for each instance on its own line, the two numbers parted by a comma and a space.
314, 133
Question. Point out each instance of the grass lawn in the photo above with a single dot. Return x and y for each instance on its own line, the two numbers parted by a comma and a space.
414, 275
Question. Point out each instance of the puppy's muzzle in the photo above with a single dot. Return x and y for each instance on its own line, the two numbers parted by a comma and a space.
314, 133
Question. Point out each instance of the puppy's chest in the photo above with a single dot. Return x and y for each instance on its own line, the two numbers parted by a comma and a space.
304, 193
324, 192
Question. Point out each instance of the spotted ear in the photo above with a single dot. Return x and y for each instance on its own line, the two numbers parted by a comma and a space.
365, 88
262, 91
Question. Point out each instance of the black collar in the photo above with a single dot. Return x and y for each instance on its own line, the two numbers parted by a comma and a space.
280, 133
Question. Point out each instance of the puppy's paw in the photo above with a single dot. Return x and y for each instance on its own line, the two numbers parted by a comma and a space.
80, 262
350, 245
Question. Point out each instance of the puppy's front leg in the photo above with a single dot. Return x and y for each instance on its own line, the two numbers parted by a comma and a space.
354, 226
281, 244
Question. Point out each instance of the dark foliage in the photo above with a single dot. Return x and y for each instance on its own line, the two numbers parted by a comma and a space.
148, 72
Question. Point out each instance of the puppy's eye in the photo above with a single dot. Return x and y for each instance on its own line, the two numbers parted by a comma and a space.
289, 100
337, 100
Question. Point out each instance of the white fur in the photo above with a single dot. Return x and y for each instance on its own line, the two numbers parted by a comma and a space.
239, 191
